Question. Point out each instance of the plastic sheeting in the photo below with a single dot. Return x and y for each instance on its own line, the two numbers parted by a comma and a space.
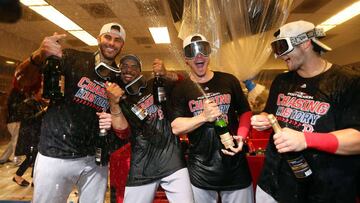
240, 31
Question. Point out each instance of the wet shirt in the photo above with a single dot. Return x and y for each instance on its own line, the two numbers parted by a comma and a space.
324, 103
155, 150
70, 126
209, 168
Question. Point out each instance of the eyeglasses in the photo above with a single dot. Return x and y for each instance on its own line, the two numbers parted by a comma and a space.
107, 72
197, 47
285, 45
125, 66
135, 86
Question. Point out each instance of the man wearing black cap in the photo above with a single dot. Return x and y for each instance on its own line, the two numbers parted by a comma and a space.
156, 156
71, 125
317, 105
199, 101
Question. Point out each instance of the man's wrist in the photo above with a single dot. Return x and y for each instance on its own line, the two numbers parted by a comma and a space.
34, 61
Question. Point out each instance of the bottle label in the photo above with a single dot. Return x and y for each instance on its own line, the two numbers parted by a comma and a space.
227, 140
98, 154
161, 94
139, 112
300, 167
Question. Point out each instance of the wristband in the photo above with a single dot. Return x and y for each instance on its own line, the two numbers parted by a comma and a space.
326, 142
244, 124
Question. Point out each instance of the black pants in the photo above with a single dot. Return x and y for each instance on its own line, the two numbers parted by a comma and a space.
29, 160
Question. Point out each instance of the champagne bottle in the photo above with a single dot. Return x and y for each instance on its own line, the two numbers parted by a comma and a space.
159, 90
139, 112
296, 160
101, 149
222, 130
53, 80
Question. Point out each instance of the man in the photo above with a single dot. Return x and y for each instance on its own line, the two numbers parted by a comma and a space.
316, 104
198, 102
156, 156
71, 125
14, 101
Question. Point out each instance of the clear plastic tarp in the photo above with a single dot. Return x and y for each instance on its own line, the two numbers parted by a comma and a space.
240, 31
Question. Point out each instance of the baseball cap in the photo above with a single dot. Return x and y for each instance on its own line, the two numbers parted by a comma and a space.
133, 58
115, 28
193, 38
300, 31
195, 44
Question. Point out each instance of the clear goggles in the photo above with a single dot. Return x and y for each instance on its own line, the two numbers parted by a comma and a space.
135, 86
282, 46
193, 49
106, 72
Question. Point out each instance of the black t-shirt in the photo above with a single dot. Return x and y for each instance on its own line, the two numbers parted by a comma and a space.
324, 103
70, 126
209, 168
155, 150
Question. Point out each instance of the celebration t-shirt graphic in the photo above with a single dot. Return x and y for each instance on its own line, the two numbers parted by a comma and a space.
300, 110
196, 106
92, 93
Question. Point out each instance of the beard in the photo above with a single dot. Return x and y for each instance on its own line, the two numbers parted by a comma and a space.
109, 55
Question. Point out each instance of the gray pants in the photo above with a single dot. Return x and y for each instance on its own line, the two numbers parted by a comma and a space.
177, 189
55, 178
263, 197
13, 129
245, 195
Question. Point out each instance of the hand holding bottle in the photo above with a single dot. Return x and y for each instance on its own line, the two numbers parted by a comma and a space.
211, 111
50, 46
234, 150
159, 67
260, 122
114, 92
289, 140
296, 160
104, 120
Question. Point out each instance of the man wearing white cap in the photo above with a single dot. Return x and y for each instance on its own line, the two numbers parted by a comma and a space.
317, 106
198, 101
71, 125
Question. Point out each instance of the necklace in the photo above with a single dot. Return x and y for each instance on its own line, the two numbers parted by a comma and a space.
325, 67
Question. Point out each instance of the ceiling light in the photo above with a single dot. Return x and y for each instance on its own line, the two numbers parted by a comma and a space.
56, 17
34, 2
160, 35
341, 17
49, 12
10, 62
85, 37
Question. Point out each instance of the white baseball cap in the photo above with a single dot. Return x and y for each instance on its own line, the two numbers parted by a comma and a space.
115, 28
193, 38
296, 28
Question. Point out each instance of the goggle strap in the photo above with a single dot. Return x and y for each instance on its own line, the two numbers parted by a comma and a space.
316, 32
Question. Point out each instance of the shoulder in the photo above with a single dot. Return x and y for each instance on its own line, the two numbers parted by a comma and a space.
225, 77
224, 74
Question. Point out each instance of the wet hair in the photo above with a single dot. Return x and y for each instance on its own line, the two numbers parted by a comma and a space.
196, 38
115, 27
316, 47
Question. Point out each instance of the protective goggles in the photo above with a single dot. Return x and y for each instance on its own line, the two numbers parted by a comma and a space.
193, 49
107, 72
282, 46
135, 86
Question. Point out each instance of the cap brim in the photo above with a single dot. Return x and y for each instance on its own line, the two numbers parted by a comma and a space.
322, 45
